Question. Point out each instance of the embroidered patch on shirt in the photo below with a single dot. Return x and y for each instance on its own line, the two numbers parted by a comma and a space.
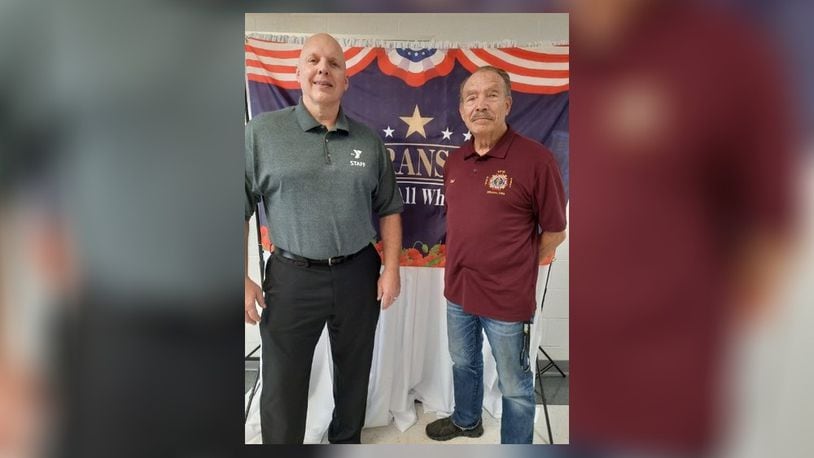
356, 154
498, 183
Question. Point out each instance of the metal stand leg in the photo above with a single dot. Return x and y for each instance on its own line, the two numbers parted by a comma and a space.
262, 277
551, 363
254, 387
545, 402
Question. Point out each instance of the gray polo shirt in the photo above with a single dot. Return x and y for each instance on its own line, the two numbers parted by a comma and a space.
320, 187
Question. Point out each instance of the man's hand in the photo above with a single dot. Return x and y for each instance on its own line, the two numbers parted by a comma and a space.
253, 294
389, 286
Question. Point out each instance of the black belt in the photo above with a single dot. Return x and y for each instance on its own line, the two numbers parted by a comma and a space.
332, 261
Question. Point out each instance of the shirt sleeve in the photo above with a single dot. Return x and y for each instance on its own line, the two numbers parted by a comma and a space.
550, 198
762, 137
251, 196
386, 197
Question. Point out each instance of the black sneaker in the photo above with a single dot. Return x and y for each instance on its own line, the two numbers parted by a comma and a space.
444, 430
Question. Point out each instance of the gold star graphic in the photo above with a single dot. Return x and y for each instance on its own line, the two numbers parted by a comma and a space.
416, 123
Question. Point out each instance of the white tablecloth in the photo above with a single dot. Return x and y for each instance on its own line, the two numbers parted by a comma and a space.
410, 362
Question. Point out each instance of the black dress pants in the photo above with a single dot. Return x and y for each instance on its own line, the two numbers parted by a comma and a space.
300, 299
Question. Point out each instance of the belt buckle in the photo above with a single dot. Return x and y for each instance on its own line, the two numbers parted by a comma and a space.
334, 260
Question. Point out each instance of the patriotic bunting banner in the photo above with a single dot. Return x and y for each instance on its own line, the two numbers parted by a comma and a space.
410, 97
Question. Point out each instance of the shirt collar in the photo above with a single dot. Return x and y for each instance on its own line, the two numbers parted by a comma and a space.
499, 150
307, 122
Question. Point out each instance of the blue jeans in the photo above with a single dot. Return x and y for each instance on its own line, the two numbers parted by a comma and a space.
514, 375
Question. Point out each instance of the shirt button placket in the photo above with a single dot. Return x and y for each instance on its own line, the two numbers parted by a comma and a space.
327, 151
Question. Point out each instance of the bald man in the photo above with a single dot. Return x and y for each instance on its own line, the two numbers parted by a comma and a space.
322, 175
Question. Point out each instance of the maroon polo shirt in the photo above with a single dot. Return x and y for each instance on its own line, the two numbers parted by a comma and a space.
681, 144
495, 204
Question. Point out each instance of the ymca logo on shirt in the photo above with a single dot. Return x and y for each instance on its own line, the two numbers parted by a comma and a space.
356, 155
498, 183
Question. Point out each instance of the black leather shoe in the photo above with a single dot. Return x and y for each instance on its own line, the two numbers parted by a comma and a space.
444, 430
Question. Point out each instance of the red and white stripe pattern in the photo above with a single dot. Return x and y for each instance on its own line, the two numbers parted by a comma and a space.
273, 63
532, 70
416, 74
276, 63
